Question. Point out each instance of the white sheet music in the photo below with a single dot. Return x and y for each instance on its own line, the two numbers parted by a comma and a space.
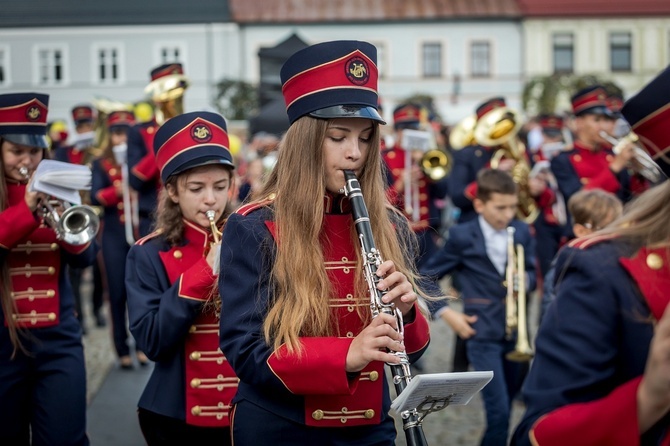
61, 180
459, 387
415, 140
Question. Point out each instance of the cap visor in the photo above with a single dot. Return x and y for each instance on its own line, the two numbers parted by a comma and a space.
204, 161
604, 111
25, 139
348, 111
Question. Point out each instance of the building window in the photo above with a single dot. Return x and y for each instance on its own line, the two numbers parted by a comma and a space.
564, 53
432, 59
108, 65
51, 66
620, 52
481, 59
171, 54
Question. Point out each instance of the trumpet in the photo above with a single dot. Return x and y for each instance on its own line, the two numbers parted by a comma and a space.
212, 224
515, 300
641, 162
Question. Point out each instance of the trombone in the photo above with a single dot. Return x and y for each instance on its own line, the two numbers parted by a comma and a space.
131, 215
515, 300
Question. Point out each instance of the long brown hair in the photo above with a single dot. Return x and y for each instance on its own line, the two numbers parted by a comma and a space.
301, 288
8, 304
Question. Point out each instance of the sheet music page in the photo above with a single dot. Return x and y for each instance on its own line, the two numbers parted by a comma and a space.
61, 180
459, 387
415, 140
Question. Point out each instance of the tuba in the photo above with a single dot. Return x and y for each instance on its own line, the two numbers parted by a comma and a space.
167, 93
462, 134
499, 128
515, 301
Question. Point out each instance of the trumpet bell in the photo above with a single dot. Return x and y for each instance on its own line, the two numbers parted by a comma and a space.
436, 164
78, 225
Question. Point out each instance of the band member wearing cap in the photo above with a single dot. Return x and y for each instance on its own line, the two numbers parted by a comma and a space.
107, 191
403, 188
42, 376
166, 90
173, 301
591, 164
297, 328
81, 152
601, 373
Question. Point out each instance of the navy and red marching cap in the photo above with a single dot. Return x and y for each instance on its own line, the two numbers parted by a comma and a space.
82, 113
190, 140
552, 125
120, 119
23, 118
590, 100
614, 103
332, 80
648, 113
407, 116
488, 105
166, 70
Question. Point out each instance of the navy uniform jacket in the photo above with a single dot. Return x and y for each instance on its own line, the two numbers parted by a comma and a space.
467, 163
167, 289
313, 389
592, 346
482, 286
144, 176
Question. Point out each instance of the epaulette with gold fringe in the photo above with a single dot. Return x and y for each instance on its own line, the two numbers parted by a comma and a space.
148, 237
254, 205
587, 241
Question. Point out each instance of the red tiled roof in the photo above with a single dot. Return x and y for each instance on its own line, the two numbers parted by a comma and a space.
596, 8
314, 11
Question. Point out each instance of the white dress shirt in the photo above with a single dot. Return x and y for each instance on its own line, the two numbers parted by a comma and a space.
496, 244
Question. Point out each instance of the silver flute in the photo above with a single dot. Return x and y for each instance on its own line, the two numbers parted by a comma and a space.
371, 260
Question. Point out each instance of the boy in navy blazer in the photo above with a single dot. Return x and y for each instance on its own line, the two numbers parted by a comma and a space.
477, 251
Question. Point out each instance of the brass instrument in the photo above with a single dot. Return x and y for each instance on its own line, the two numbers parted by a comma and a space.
462, 134
130, 206
515, 301
499, 128
434, 163
167, 93
641, 163
211, 214
104, 107
76, 225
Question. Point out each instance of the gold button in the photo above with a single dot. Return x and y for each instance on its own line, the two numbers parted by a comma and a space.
119, 205
317, 414
150, 130
12, 294
350, 334
54, 246
343, 420
195, 356
654, 261
177, 254
52, 316
193, 329
374, 375
195, 410
577, 158
369, 413
52, 270
51, 293
112, 172
195, 383
391, 154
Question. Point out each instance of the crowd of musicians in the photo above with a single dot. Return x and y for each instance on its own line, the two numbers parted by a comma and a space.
241, 274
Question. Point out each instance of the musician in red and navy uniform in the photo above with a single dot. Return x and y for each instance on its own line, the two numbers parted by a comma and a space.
601, 373
81, 152
425, 221
550, 224
42, 375
590, 163
171, 278
107, 192
166, 90
296, 325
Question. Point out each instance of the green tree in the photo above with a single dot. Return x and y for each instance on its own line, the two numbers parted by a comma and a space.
235, 99
551, 94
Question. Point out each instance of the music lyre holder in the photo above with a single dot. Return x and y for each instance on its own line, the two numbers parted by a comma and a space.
431, 404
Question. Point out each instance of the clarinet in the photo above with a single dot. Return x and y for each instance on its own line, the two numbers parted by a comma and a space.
371, 260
